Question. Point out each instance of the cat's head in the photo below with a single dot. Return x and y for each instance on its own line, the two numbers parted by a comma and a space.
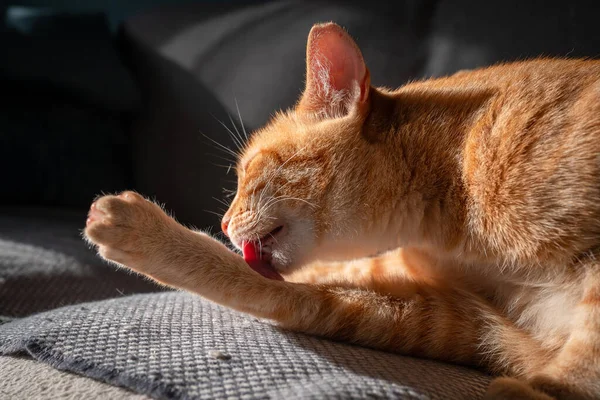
298, 176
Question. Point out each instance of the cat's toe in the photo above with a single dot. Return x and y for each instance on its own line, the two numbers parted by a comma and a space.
117, 225
94, 215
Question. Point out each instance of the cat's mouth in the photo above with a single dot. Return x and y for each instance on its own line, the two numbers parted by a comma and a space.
259, 258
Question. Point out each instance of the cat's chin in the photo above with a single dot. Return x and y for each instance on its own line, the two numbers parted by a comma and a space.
282, 263
288, 262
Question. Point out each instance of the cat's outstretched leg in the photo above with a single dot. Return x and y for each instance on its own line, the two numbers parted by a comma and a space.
425, 321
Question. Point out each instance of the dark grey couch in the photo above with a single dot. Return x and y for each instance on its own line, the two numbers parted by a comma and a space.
85, 113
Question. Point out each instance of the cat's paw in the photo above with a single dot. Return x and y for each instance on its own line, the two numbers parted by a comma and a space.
125, 228
513, 389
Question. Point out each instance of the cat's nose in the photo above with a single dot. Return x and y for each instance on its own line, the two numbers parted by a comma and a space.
225, 225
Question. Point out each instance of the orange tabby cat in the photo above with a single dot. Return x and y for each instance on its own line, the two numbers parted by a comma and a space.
456, 219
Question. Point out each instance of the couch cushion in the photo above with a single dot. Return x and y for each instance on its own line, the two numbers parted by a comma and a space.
467, 34
44, 263
176, 345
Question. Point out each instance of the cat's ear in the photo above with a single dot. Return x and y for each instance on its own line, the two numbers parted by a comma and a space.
337, 78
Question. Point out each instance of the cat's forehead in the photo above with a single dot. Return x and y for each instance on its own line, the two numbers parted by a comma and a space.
263, 156
248, 156
286, 135
279, 136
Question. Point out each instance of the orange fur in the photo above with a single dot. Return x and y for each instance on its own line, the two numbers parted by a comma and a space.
455, 218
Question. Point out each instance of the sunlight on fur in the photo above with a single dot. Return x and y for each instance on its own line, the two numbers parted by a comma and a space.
455, 219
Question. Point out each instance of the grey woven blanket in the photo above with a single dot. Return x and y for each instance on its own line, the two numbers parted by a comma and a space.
179, 346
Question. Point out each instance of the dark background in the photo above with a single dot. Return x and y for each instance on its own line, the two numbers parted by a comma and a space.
101, 96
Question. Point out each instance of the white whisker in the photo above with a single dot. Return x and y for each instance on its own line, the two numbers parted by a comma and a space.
239, 135
228, 160
238, 142
220, 215
221, 201
221, 146
274, 238
287, 198
240, 117
276, 172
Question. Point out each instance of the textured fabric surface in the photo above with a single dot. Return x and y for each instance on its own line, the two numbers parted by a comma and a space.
27, 379
44, 263
178, 346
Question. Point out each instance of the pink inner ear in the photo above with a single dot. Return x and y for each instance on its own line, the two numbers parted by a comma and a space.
335, 66
333, 48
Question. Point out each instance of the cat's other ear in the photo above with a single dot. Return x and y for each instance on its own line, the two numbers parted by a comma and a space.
337, 79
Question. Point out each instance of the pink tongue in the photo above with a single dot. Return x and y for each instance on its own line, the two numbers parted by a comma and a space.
252, 258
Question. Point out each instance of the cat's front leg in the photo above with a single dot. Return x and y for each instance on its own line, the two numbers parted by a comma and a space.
133, 232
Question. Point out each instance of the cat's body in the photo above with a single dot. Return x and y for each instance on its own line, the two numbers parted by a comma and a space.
477, 197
